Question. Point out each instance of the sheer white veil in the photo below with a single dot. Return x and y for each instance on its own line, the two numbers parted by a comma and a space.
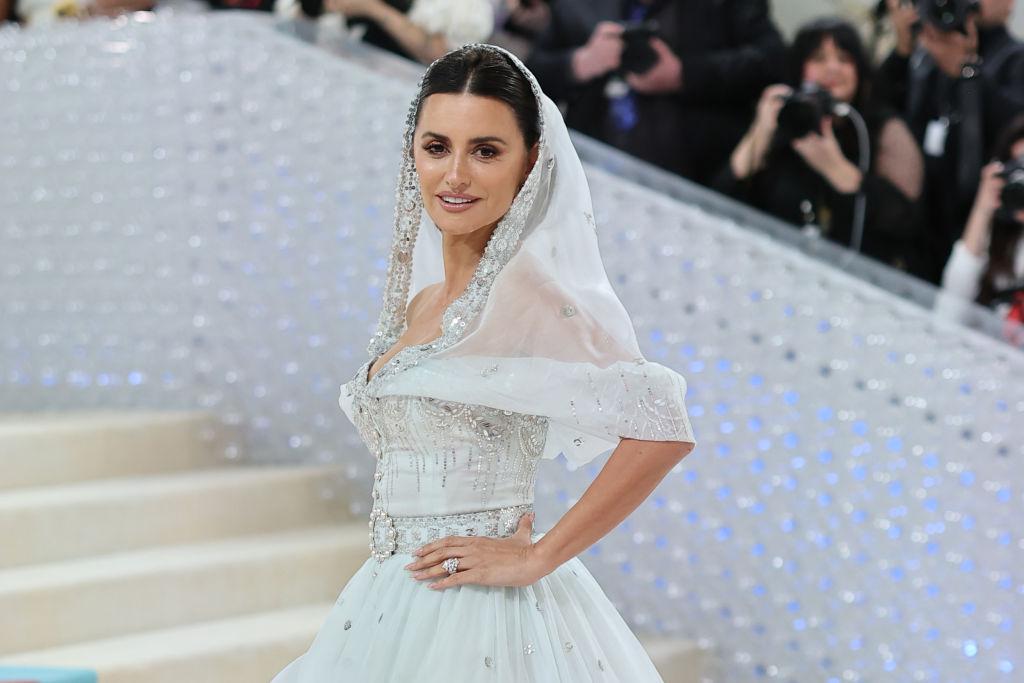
539, 330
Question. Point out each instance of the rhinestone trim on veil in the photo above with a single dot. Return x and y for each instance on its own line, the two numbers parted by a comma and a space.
408, 212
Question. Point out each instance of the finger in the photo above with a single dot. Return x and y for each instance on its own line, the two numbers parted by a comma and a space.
660, 46
440, 543
438, 570
456, 579
608, 28
437, 556
440, 555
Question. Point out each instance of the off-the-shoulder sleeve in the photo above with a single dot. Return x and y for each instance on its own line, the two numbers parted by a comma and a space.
460, 21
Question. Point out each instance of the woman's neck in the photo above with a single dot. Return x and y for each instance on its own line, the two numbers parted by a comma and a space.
461, 255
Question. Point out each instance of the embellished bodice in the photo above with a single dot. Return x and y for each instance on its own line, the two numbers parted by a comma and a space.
438, 457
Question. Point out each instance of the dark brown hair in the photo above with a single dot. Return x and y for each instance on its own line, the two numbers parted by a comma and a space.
485, 72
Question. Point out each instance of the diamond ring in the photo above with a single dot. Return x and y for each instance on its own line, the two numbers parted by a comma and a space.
451, 565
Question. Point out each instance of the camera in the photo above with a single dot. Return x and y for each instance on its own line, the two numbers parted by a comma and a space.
945, 15
804, 109
637, 54
1012, 195
948, 15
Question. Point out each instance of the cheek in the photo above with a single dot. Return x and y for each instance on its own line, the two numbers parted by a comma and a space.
426, 168
500, 180
811, 73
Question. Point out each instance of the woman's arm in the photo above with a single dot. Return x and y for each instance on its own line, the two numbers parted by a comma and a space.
749, 155
632, 472
424, 47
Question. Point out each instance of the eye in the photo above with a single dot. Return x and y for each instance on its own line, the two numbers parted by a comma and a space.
435, 148
487, 152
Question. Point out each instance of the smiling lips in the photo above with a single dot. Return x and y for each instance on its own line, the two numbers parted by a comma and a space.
456, 203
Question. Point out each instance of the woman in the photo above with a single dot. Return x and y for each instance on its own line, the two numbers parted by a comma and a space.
513, 348
989, 257
815, 179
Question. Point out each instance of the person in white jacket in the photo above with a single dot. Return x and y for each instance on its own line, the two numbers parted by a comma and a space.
989, 256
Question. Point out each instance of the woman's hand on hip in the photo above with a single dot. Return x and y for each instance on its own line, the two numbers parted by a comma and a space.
485, 561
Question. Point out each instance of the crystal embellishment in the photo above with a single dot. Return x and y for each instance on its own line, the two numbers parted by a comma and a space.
383, 535
411, 532
568, 310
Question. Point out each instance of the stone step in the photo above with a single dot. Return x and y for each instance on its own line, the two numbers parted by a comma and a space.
40, 449
104, 597
55, 523
245, 649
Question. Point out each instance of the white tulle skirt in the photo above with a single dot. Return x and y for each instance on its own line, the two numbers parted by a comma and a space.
391, 628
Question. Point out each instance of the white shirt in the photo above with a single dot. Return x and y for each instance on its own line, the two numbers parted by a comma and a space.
961, 280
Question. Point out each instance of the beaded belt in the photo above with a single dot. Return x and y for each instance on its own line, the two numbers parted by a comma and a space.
390, 535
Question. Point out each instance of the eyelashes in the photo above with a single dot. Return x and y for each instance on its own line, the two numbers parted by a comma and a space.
436, 149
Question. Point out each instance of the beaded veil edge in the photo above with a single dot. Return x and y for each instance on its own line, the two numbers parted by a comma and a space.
501, 246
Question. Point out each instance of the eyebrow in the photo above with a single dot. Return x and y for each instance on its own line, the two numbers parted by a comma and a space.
474, 141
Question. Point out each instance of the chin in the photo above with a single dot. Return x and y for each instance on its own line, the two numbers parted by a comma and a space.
465, 226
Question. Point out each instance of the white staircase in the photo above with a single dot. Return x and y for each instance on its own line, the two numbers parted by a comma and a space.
131, 546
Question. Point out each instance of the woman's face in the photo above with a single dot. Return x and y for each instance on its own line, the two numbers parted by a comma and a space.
471, 159
832, 69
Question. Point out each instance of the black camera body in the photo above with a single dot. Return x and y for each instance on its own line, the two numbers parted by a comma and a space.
804, 109
948, 15
637, 54
945, 15
1012, 195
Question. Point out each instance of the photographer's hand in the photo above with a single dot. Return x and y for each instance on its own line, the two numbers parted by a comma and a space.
979, 224
951, 49
748, 157
666, 76
601, 54
823, 153
903, 16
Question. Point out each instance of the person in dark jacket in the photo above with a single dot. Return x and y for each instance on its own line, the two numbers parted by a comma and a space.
957, 90
814, 179
711, 60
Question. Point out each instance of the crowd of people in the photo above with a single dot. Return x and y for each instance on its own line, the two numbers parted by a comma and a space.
915, 159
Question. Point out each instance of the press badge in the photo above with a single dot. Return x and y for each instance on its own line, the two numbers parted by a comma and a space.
935, 137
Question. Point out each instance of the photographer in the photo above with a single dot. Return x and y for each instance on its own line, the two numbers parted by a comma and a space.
801, 163
989, 256
958, 88
677, 94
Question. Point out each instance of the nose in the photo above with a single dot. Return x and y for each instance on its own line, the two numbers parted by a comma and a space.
457, 175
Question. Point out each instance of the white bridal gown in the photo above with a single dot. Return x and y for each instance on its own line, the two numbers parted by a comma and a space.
438, 457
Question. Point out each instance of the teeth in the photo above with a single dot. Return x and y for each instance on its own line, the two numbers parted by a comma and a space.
454, 200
